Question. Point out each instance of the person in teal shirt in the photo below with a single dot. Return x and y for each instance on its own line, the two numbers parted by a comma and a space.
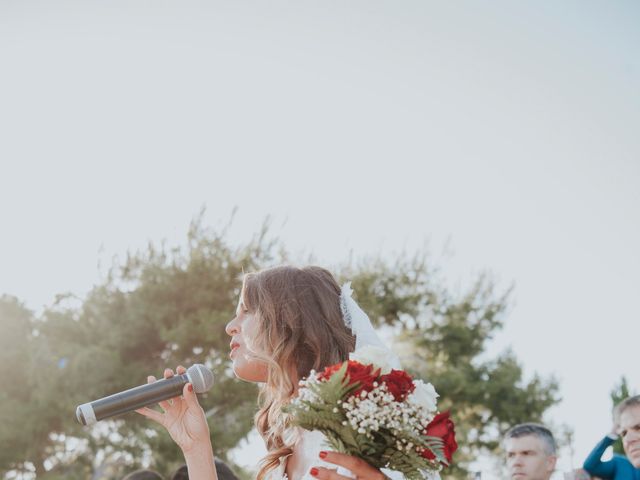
627, 424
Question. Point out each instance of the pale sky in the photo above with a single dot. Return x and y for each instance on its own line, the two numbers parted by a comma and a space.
505, 130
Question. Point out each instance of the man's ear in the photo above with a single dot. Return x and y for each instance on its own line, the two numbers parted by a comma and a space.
551, 463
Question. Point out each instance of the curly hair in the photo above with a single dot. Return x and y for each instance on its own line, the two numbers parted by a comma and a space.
301, 329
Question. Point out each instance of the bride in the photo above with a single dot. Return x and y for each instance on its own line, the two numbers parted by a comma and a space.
288, 322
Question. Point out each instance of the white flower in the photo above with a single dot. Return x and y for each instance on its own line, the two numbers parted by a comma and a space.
423, 396
382, 358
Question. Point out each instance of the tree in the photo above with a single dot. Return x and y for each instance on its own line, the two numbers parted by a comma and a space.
15, 363
165, 306
158, 308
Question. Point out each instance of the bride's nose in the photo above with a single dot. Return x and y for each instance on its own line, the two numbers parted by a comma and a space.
232, 327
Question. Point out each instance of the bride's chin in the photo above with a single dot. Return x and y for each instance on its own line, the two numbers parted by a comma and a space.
242, 372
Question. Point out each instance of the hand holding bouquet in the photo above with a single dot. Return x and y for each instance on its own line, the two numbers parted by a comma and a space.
378, 414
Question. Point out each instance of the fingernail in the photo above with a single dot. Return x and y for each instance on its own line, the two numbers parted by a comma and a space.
190, 387
314, 472
323, 454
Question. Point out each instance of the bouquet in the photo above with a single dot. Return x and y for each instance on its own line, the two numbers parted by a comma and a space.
382, 415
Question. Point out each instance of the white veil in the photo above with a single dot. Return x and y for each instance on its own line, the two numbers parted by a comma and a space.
361, 326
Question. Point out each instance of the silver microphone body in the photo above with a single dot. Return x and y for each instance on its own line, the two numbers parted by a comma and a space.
144, 395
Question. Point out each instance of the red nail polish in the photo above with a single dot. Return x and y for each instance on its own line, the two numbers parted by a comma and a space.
314, 472
322, 454
190, 387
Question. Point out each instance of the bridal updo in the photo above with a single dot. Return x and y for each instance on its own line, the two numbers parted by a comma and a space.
300, 329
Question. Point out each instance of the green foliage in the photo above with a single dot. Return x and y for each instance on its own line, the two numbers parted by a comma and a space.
16, 410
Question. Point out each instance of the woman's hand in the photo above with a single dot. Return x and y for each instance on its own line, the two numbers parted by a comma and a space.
358, 467
183, 417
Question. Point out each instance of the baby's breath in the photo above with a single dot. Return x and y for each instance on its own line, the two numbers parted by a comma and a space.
371, 411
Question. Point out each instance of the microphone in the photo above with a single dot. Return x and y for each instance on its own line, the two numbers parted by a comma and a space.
198, 375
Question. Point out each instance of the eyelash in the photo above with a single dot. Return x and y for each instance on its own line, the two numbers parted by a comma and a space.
623, 433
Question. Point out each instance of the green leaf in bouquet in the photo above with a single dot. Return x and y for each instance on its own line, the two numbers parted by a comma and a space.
371, 446
335, 441
409, 463
311, 420
435, 444
336, 388
344, 439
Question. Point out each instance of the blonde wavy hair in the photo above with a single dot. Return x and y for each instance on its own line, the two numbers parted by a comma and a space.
301, 329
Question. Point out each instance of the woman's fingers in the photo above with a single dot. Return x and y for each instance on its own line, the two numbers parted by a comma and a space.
190, 397
152, 414
327, 474
166, 404
361, 469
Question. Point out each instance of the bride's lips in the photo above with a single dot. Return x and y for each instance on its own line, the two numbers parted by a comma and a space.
233, 346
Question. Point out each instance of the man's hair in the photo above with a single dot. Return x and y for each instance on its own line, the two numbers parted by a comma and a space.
181, 473
626, 403
223, 470
143, 475
540, 431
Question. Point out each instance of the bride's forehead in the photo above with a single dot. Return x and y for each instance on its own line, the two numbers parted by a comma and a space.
241, 305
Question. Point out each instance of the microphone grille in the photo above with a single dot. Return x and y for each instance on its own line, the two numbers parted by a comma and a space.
200, 377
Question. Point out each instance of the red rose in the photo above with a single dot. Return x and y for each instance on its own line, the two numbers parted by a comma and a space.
365, 375
329, 371
442, 426
399, 383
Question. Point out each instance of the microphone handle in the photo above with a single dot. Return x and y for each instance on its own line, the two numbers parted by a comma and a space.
137, 397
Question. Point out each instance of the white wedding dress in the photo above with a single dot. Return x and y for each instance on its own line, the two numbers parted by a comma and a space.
308, 448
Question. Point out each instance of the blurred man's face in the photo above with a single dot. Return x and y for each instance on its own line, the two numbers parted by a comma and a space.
527, 458
630, 433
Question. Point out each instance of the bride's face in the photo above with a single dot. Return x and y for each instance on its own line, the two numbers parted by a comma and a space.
242, 329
